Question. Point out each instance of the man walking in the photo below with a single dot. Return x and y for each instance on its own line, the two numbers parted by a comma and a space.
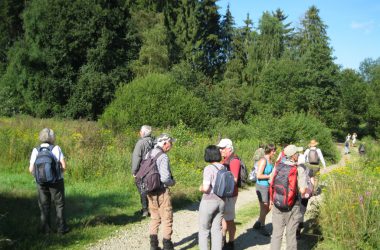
232, 162
160, 205
142, 147
290, 216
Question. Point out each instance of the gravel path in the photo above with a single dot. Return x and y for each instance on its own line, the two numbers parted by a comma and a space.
185, 227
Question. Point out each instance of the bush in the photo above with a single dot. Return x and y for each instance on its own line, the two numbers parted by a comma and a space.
155, 100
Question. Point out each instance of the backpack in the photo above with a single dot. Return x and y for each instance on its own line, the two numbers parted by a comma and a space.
361, 149
310, 186
47, 168
313, 157
148, 176
253, 174
283, 187
243, 172
224, 183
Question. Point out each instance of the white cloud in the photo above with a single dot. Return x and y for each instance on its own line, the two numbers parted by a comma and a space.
367, 27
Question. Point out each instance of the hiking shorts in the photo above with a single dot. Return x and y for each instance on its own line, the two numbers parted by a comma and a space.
229, 208
262, 193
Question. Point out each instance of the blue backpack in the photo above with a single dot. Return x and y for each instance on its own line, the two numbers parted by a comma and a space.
224, 183
47, 168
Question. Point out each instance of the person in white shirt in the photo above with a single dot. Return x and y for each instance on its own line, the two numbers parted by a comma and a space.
314, 158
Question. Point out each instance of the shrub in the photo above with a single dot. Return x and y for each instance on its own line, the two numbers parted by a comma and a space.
156, 100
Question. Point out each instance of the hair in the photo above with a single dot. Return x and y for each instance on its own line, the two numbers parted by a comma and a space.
269, 148
146, 130
47, 136
212, 154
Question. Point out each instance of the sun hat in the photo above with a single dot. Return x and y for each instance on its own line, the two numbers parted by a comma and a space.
313, 143
291, 150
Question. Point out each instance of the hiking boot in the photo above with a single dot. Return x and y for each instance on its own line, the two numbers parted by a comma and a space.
145, 213
263, 231
168, 244
229, 246
257, 225
154, 242
63, 231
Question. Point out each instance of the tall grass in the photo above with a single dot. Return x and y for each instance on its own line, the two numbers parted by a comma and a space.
350, 213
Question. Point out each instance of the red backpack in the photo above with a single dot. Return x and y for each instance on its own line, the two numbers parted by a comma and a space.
283, 187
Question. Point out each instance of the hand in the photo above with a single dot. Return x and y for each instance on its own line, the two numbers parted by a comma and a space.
201, 188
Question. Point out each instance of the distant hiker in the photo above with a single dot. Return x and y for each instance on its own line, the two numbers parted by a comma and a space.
286, 212
211, 207
354, 137
309, 191
160, 204
142, 147
347, 145
259, 153
314, 158
232, 162
47, 164
265, 168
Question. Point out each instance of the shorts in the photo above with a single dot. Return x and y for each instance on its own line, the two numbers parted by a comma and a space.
262, 193
229, 208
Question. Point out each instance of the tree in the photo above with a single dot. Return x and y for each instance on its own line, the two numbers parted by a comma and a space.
227, 35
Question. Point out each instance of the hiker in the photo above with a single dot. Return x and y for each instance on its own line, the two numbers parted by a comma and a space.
354, 136
160, 204
142, 147
265, 167
211, 207
309, 191
49, 155
232, 162
286, 213
314, 157
281, 156
347, 145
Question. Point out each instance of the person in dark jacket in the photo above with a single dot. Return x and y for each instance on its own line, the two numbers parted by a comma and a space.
142, 147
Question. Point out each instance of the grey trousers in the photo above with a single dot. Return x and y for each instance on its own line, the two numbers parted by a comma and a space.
210, 219
280, 220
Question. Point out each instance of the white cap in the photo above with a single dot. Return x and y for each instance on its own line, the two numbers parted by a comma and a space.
225, 143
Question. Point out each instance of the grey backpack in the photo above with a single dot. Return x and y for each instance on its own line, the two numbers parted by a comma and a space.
224, 183
313, 157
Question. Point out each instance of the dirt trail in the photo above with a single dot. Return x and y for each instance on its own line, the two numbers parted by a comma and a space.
185, 228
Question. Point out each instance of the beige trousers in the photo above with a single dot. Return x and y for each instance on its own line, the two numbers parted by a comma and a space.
161, 212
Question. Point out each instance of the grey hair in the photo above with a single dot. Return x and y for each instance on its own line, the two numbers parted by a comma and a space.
146, 130
47, 135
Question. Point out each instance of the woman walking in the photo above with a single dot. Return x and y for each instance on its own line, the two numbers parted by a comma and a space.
265, 168
211, 207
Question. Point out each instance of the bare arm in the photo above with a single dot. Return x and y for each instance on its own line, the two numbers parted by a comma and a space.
260, 171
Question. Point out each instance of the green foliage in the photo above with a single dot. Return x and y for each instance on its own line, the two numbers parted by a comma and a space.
349, 219
156, 100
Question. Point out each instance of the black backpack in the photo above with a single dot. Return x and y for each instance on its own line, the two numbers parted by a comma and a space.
148, 176
47, 168
313, 157
224, 183
243, 172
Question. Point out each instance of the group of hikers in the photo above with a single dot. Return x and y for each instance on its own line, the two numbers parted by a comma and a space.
350, 141
283, 185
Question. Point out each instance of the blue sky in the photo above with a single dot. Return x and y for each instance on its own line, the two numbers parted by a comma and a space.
353, 25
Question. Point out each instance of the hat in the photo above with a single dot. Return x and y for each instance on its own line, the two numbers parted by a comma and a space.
313, 143
225, 143
290, 150
165, 138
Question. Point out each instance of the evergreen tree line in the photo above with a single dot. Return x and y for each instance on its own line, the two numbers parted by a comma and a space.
74, 58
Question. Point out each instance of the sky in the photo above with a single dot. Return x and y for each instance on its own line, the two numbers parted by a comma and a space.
353, 25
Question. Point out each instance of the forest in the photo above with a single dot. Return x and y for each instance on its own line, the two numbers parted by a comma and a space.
129, 62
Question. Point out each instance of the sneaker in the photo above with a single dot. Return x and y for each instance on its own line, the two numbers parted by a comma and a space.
229, 246
264, 232
257, 225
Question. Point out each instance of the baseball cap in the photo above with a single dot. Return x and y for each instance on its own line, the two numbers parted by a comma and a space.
225, 143
292, 149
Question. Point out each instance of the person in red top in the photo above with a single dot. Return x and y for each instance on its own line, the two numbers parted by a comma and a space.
232, 162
